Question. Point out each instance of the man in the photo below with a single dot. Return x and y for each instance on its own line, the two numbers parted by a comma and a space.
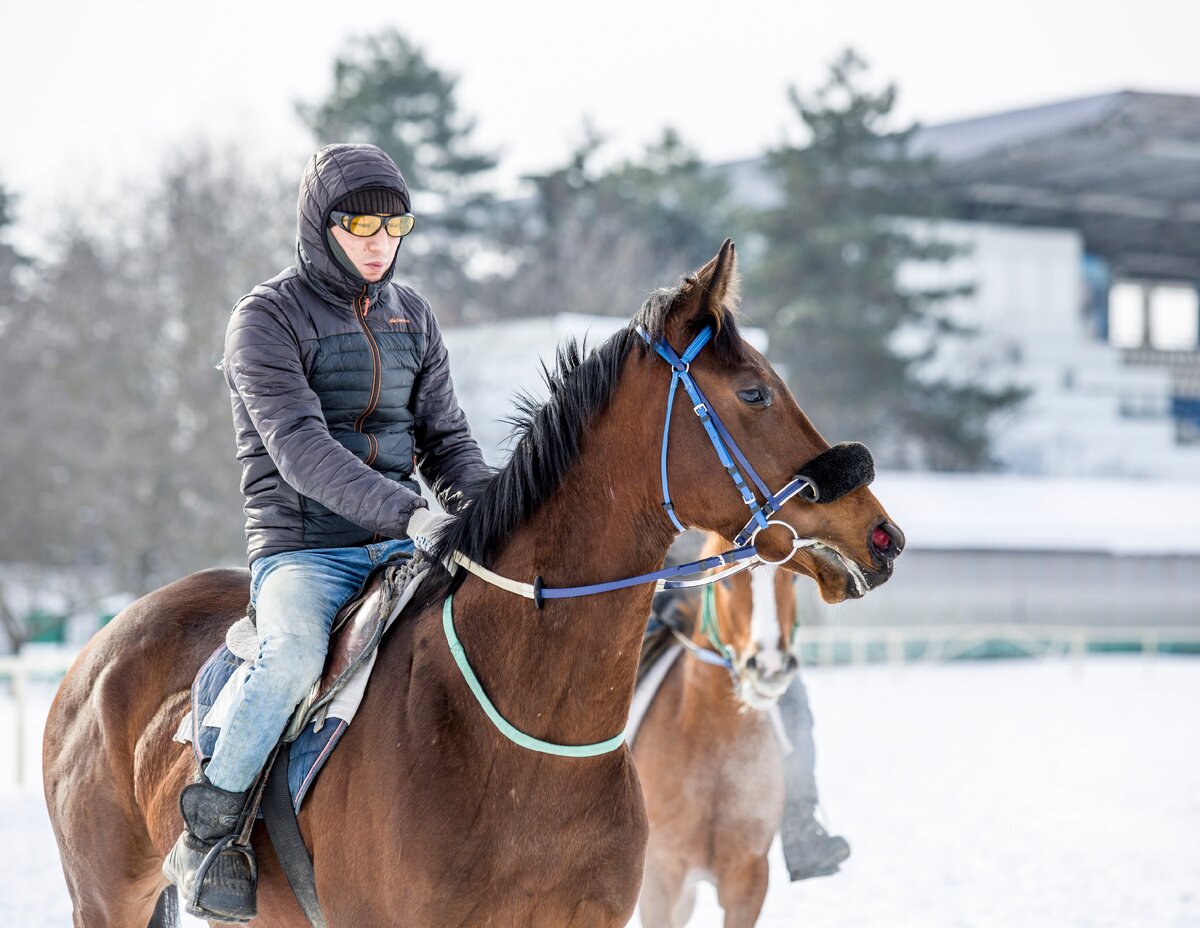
808, 850
340, 386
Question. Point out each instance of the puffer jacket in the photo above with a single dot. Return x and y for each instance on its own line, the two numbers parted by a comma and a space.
340, 387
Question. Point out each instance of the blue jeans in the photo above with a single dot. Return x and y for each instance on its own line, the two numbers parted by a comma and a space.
296, 595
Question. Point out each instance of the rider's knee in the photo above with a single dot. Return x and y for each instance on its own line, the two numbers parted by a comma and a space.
294, 661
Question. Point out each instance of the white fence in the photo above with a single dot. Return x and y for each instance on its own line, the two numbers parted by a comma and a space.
824, 644
20, 670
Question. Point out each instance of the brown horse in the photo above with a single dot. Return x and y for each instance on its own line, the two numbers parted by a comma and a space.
426, 813
710, 764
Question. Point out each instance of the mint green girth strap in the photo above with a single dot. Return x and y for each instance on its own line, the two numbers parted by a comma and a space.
513, 734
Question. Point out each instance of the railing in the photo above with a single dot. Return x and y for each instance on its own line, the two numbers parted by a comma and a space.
20, 669
825, 645
820, 645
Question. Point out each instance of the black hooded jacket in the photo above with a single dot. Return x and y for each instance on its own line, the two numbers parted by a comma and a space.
340, 387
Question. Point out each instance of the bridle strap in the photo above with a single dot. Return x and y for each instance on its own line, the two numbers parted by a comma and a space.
718, 435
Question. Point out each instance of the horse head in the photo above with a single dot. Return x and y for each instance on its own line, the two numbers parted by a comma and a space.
751, 617
834, 531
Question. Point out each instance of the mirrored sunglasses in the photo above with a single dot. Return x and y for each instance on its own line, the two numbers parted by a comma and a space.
367, 224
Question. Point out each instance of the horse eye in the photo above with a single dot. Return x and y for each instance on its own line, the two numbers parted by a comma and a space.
755, 396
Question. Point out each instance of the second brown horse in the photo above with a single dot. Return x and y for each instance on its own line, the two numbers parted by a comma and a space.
707, 752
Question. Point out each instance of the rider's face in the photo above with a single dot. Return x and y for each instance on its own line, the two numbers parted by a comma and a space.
371, 255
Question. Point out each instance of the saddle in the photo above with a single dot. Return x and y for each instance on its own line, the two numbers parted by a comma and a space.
322, 718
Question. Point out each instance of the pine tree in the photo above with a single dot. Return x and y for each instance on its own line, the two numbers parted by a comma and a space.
387, 93
859, 348
598, 240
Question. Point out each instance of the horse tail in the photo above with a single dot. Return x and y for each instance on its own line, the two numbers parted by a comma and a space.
166, 913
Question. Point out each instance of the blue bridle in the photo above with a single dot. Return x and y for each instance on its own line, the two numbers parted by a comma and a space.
722, 442
746, 552
740, 471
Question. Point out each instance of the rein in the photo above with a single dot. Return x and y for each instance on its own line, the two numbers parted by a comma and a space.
720, 655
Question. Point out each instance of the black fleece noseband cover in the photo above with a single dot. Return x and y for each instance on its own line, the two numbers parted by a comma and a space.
834, 473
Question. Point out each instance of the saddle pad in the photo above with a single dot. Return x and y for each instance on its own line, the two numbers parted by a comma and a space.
213, 691
647, 689
320, 721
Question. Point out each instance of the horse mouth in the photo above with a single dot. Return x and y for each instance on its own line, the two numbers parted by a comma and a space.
850, 580
762, 694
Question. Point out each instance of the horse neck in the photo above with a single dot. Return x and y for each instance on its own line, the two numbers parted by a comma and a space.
566, 672
709, 701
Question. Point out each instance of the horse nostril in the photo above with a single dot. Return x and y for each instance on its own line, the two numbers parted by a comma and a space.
752, 662
887, 540
791, 664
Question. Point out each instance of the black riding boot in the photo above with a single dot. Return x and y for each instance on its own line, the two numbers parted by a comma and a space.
809, 850
217, 878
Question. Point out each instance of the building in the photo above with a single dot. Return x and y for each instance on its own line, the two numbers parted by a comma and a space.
1082, 224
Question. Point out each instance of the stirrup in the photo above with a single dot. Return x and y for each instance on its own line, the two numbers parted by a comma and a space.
234, 910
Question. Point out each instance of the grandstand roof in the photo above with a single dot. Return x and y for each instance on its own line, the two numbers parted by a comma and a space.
1123, 168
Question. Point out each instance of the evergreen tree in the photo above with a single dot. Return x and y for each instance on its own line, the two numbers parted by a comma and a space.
385, 92
598, 240
10, 259
860, 349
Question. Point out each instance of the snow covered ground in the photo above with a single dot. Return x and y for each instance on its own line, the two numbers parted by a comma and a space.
1030, 794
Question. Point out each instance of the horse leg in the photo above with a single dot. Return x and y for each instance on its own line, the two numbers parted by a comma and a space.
741, 889
112, 873
109, 861
663, 891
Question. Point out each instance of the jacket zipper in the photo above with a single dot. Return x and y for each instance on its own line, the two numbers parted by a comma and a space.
361, 305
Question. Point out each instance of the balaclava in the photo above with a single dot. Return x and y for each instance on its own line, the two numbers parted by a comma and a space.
342, 176
377, 200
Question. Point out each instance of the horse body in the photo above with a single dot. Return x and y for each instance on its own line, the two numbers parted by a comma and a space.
710, 762
425, 808
426, 813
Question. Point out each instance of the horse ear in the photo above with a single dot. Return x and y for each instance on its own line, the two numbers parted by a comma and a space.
707, 294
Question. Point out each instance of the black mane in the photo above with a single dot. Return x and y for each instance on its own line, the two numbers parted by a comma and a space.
547, 435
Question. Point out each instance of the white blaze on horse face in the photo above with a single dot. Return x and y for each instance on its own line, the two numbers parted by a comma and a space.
764, 619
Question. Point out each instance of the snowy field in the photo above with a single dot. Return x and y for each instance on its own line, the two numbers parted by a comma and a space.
1024, 794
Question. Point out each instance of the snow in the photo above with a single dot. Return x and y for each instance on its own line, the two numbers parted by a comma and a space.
1036, 794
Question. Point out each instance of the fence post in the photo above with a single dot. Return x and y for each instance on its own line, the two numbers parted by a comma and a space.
19, 698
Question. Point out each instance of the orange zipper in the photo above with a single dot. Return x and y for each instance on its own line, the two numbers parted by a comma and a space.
361, 306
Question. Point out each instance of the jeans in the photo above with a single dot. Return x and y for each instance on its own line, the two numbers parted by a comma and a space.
295, 595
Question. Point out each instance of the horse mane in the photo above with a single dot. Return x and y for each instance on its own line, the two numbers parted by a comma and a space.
547, 435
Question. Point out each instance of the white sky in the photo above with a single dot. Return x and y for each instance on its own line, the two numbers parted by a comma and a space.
96, 93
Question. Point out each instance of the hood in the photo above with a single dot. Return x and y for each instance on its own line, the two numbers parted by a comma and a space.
332, 173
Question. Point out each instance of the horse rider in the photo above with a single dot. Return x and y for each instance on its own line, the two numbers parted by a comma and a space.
808, 850
341, 387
